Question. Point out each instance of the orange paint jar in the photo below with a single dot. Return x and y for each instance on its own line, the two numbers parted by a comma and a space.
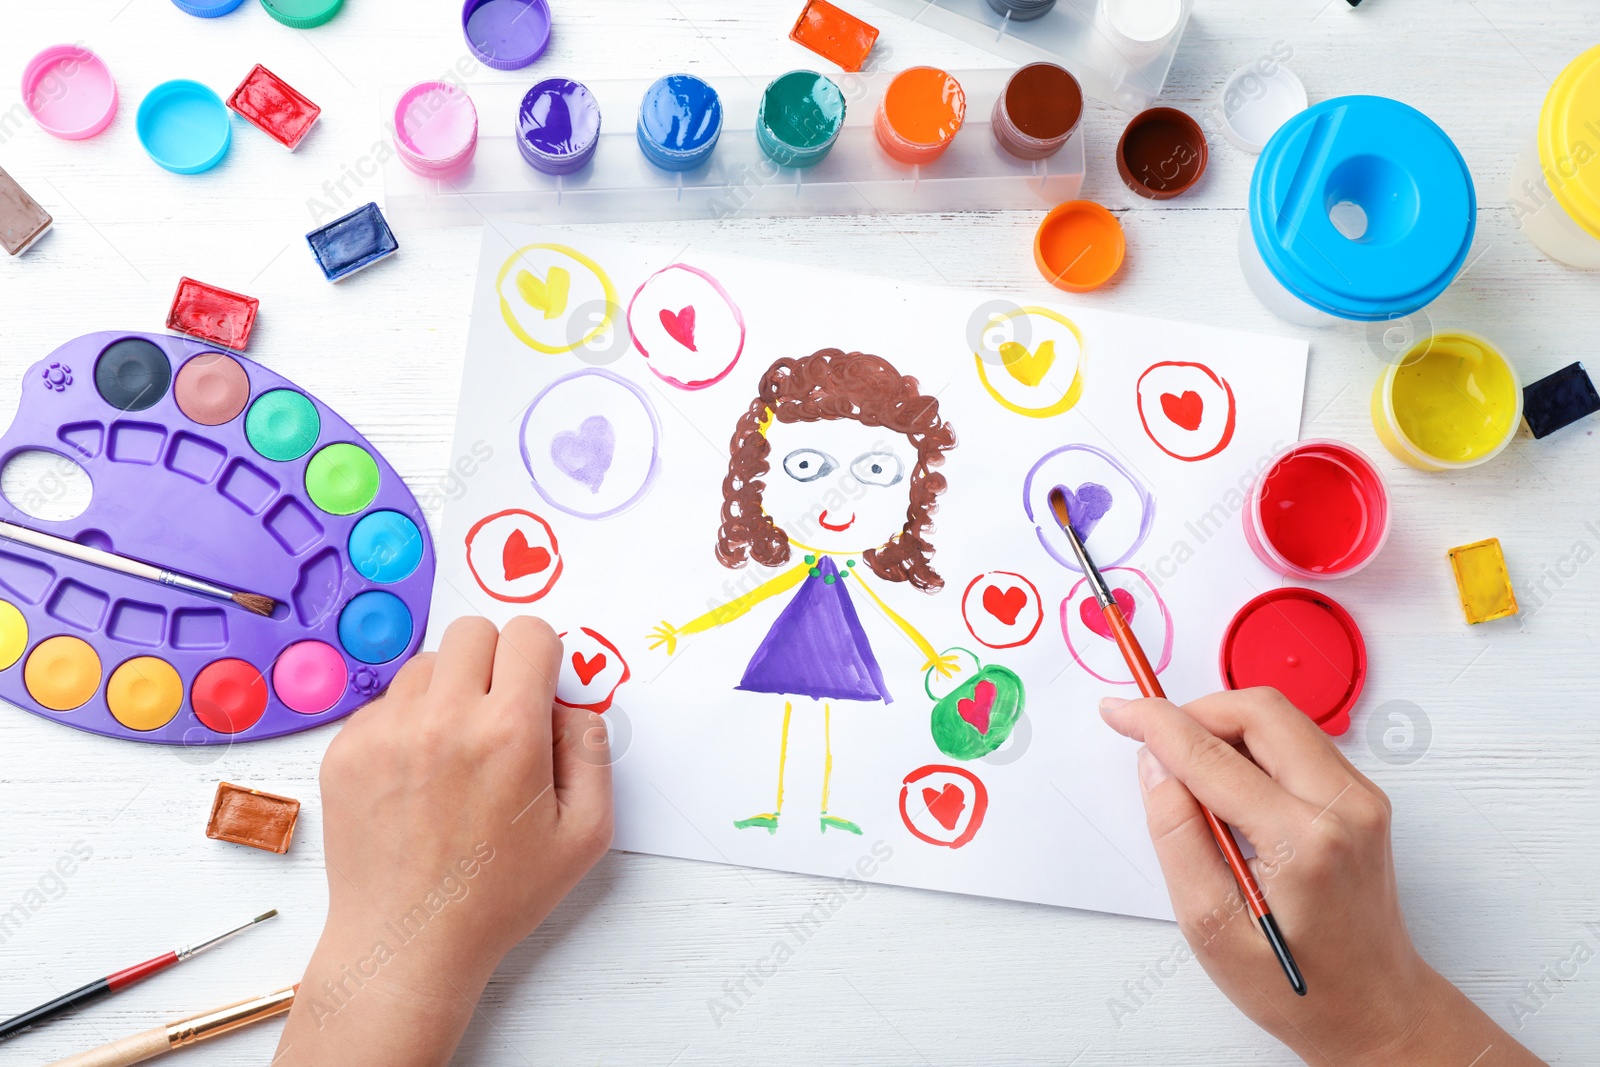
919, 114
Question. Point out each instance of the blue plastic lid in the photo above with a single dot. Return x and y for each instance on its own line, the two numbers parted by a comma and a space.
1404, 174
184, 126
206, 9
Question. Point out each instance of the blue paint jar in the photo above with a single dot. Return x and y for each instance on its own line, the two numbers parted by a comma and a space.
680, 120
1361, 208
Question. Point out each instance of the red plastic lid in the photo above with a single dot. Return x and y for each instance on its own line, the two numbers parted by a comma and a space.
1302, 644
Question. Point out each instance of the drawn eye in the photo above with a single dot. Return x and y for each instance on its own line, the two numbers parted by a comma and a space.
878, 468
807, 464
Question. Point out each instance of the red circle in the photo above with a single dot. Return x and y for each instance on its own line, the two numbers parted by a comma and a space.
555, 551
980, 803
1038, 602
1304, 645
1227, 430
229, 695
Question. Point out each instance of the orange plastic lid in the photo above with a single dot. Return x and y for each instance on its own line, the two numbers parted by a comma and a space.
1079, 246
1567, 130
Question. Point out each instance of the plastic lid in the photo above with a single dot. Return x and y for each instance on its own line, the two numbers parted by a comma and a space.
1254, 103
1567, 130
506, 34
69, 92
1413, 190
1304, 645
302, 14
184, 126
206, 9
1079, 246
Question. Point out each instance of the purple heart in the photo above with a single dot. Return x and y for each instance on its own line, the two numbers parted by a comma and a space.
585, 454
1087, 507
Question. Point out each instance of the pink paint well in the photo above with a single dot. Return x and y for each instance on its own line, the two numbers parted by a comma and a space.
309, 677
69, 92
435, 128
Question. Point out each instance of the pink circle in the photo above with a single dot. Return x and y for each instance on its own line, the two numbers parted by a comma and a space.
69, 92
309, 677
435, 128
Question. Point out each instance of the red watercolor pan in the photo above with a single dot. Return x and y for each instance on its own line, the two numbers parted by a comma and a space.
1302, 644
1321, 510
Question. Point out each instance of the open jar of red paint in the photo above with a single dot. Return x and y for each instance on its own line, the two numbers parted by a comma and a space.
1320, 510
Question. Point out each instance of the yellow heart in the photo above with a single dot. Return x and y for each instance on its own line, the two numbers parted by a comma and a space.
1029, 368
550, 295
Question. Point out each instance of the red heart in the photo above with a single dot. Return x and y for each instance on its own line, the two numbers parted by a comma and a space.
587, 668
521, 559
976, 710
1095, 619
946, 804
680, 326
1184, 410
1005, 606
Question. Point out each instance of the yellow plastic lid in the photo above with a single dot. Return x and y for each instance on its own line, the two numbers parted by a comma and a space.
1569, 139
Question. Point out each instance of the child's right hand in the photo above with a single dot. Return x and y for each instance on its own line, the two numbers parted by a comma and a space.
1321, 833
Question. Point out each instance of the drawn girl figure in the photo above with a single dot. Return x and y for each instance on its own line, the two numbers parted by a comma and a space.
833, 458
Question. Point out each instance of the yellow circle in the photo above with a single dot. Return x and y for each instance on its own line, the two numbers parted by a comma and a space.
13, 634
1074, 391
1567, 125
144, 693
62, 673
522, 335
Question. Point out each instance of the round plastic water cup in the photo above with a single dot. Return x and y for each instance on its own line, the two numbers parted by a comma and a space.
69, 92
1319, 510
1361, 209
435, 128
1452, 402
1555, 184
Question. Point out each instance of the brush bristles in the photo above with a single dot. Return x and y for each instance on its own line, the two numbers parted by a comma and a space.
264, 916
255, 602
1058, 507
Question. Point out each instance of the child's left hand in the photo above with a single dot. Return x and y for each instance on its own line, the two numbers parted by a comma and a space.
458, 809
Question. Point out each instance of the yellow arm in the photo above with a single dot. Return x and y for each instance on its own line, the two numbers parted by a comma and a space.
944, 664
667, 634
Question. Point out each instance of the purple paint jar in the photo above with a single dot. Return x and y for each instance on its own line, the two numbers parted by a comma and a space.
558, 126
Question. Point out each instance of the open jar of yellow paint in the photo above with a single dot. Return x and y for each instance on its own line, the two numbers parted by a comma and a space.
1452, 402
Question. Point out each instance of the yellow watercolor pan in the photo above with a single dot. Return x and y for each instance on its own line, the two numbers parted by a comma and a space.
1483, 581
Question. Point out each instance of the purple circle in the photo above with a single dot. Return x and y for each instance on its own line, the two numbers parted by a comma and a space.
558, 126
655, 445
1147, 508
506, 34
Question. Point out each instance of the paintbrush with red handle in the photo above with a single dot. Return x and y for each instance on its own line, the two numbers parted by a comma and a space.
1150, 686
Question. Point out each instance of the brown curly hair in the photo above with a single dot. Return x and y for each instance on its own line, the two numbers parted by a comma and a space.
834, 384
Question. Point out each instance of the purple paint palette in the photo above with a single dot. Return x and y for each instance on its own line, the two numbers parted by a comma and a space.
205, 463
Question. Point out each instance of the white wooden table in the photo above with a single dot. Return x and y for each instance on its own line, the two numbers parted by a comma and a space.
1497, 800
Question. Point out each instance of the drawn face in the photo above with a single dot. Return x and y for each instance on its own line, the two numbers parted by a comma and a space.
838, 485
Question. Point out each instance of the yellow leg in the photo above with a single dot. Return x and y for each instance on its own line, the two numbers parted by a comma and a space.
768, 820
830, 821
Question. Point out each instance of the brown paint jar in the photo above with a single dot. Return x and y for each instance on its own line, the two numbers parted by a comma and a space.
1162, 153
1038, 111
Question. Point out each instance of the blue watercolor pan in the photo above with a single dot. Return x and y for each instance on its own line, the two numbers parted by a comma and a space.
352, 243
1559, 400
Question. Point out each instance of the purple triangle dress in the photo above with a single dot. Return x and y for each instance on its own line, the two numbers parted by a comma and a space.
817, 647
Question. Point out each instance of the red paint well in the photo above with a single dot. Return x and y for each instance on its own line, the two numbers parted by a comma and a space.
1320, 511
213, 314
274, 107
1304, 645
229, 695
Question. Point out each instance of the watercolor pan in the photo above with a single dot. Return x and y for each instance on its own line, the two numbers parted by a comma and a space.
212, 314
619, 184
1558, 400
1071, 33
1482, 581
251, 817
209, 463
274, 107
835, 35
22, 220
353, 243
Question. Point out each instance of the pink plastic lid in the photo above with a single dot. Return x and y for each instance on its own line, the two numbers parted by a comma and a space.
69, 92
435, 128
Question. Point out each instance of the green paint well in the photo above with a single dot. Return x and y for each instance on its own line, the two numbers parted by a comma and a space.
956, 735
342, 479
282, 425
800, 117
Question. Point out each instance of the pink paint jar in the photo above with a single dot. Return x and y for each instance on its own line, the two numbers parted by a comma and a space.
435, 128
1321, 510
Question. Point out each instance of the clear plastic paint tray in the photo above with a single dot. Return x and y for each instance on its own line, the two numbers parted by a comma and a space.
1077, 34
621, 185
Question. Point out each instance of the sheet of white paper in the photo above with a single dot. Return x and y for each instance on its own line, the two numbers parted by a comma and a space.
588, 488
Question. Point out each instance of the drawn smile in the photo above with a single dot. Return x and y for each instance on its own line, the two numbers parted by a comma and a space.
822, 520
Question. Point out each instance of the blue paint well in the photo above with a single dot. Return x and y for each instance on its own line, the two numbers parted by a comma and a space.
352, 243
680, 120
385, 547
1558, 400
375, 626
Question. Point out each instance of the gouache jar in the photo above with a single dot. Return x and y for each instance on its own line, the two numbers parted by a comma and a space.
1555, 185
1452, 402
1320, 510
1162, 153
799, 118
1361, 208
435, 128
558, 126
1021, 10
920, 113
1135, 30
1038, 111
680, 119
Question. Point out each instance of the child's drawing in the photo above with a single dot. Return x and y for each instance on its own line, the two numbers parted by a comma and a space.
686, 326
834, 459
1187, 409
1111, 508
590, 441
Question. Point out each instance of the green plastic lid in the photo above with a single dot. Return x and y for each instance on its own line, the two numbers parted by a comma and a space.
282, 425
302, 14
342, 479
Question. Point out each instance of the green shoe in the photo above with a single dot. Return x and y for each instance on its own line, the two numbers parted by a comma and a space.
839, 824
767, 822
